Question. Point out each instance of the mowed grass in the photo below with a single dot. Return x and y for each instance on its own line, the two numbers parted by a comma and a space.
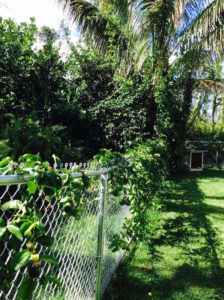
183, 255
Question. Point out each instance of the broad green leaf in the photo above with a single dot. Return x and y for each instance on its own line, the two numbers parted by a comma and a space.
4, 162
50, 259
30, 157
2, 231
51, 180
24, 227
2, 223
32, 187
20, 260
50, 278
26, 289
45, 240
28, 232
12, 204
15, 231
28, 165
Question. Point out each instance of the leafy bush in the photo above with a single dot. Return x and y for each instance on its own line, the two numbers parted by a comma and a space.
21, 224
136, 178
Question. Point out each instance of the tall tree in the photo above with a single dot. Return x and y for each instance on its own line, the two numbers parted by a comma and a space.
136, 30
211, 82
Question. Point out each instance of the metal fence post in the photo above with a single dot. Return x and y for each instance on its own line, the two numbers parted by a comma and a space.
100, 240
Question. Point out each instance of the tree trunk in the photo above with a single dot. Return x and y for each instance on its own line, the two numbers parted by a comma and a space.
214, 102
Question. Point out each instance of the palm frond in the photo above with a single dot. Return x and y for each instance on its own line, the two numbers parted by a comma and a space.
98, 22
205, 30
87, 16
210, 86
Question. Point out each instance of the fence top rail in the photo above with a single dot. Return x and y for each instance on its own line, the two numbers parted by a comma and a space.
23, 179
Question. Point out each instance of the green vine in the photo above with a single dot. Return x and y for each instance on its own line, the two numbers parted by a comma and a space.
134, 181
21, 224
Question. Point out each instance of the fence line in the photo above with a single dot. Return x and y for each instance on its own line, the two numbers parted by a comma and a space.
86, 262
22, 179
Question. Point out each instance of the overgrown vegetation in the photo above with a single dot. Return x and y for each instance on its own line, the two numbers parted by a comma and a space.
128, 89
69, 105
21, 223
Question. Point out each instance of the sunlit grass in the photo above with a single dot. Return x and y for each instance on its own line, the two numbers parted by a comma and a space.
184, 257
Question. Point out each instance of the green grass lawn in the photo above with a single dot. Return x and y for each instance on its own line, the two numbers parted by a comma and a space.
183, 256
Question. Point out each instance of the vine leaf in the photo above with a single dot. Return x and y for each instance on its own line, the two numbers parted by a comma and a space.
13, 204
32, 187
15, 231
24, 227
50, 259
4, 163
20, 260
2, 231
26, 289
30, 157
45, 240
57, 161
2, 227
28, 232
50, 278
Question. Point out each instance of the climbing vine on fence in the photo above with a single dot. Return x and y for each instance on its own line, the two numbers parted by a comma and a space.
137, 179
134, 181
21, 227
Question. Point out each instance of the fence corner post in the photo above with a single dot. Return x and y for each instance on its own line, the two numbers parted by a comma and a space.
100, 239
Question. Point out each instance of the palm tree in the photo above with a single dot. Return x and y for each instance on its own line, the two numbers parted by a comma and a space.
211, 83
150, 28
157, 30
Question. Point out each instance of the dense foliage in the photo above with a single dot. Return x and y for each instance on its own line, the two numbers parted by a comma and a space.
22, 221
128, 98
136, 179
165, 34
74, 103
69, 104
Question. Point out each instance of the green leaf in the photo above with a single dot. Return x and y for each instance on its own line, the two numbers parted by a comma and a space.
15, 231
50, 259
28, 232
26, 289
4, 162
20, 260
2, 231
12, 204
53, 279
45, 240
24, 227
31, 157
50, 180
32, 187
57, 161
2, 223
65, 199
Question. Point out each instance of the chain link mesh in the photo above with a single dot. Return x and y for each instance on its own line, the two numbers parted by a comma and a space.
115, 216
75, 246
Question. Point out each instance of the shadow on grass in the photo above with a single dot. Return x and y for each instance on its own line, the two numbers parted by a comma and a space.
188, 234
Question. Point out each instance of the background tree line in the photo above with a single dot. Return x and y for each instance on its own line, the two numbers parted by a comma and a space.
119, 90
69, 104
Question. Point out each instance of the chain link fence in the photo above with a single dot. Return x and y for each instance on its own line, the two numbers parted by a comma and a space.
82, 247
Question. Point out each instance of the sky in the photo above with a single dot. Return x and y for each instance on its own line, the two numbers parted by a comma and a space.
46, 13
